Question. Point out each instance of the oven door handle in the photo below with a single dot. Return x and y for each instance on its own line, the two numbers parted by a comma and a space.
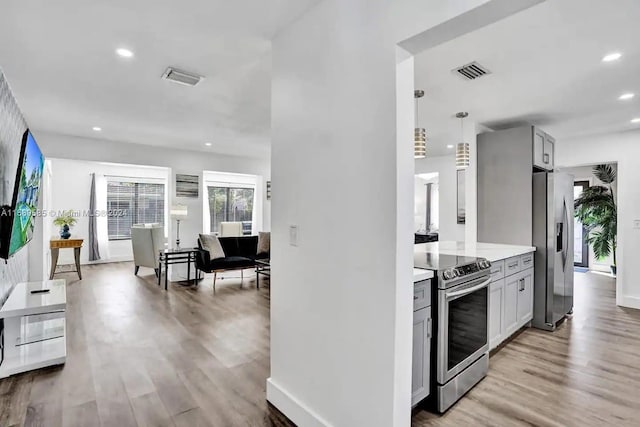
468, 291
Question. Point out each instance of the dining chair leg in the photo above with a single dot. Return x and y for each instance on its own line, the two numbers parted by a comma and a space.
241, 276
214, 281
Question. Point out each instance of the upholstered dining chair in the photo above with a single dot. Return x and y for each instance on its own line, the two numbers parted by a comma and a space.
147, 241
230, 229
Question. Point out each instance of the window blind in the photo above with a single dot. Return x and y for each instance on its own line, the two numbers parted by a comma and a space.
131, 203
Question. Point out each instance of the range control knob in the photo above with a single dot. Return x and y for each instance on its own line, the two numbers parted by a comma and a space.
450, 274
484, 264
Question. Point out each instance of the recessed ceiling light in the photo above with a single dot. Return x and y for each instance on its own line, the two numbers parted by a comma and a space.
208, 144
636, 120
626, 96
449, 146
612, 57
125, 53
97, 128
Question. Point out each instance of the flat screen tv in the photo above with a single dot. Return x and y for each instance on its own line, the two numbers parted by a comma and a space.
18, 219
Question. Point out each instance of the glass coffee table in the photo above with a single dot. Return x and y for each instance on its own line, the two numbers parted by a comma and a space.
263, 266
177, 256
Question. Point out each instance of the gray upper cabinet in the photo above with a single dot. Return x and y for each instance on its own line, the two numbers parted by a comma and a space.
543, 149
506, 160
549, 151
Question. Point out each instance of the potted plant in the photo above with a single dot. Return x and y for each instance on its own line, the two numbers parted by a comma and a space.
596, 210
65, 221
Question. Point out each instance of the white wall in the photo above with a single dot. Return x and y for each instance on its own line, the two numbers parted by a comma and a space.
420, 202
623, 149
180, 161
585, 173
70, 189
445, 166
341, 131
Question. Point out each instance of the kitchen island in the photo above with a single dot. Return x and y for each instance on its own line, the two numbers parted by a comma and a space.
511, 292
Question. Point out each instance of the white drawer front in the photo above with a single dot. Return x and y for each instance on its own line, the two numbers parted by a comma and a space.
421, 294
512, 266
497, 270
526, 261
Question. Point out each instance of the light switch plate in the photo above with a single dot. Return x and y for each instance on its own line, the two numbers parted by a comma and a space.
293, 235
636, 223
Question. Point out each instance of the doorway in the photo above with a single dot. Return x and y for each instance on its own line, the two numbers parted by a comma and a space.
426, 207
593, 257
580, 243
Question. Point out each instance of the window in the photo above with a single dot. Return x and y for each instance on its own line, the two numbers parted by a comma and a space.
231, 204
131, 203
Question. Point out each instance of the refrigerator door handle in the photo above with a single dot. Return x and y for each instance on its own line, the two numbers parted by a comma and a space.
565, 235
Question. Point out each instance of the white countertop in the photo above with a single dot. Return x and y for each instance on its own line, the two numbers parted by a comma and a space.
420, 274
491, 251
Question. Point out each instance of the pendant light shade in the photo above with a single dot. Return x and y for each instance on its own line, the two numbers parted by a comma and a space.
419, 134
420, 143
463, 156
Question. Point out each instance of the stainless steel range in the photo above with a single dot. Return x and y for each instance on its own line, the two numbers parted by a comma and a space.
461, 300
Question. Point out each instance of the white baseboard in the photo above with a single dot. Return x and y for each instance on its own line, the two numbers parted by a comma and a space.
109, 260
295, 410
629, 302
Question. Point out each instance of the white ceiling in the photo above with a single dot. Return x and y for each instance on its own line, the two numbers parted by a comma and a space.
59, 58
546, 69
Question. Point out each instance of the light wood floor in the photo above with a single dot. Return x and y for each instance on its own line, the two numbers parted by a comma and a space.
587, 373
141, 356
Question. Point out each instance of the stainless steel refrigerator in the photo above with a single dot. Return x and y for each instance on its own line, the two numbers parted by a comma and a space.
553, 238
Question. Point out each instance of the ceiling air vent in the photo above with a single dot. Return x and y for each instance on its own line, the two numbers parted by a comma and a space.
181, 77
471, 71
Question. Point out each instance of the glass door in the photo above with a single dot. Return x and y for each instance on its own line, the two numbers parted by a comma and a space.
467, 326
580, 245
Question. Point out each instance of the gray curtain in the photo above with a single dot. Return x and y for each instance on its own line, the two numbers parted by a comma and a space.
94, 252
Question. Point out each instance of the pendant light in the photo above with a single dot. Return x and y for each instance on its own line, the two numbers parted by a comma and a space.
419, 135
462, 148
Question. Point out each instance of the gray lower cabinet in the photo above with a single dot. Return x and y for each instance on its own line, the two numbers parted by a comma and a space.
525, 297
421, 355
496, 315
511, 304
510, 297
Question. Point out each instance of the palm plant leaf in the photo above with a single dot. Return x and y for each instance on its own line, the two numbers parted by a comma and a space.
600, 243
605, 173
596, 210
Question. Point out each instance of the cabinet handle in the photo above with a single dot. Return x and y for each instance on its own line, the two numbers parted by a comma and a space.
429, 327
415, 297
514, 265
521, 288
545, 159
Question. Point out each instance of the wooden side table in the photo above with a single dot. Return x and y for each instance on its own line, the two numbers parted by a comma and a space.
56, 245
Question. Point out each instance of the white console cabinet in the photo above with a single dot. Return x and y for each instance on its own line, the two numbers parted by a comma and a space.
34, 327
